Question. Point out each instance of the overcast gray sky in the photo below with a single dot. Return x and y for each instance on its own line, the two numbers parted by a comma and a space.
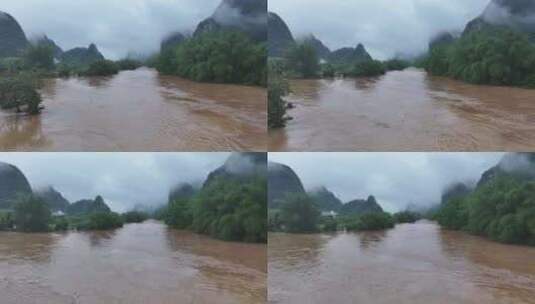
123, 179
395, 179
116, 26
385, 27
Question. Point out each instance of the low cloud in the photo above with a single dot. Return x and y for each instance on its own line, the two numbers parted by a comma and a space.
387, 28
123, 179
117, 27
395, 179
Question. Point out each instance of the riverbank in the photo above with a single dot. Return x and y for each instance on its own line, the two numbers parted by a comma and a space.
139, 263
412, 263
405, 111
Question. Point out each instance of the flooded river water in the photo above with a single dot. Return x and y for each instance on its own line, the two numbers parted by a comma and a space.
140, 111
139, 263
406, 111
412, 263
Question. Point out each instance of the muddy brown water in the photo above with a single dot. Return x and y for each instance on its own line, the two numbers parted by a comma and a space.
140, 111
412, 263
406, 111
139, 263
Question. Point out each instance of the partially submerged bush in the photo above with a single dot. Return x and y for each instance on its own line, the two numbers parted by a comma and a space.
20, 93
102, 68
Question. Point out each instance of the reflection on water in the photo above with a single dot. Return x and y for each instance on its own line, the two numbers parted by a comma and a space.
406, 110
412, 263
140, 110
140, 263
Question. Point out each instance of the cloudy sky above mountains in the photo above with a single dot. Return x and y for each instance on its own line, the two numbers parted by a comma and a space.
118, 27
386, 27
123, 179
395, 179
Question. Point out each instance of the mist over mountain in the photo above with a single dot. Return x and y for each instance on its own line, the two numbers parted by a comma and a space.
396, 180
386, 28
118, 28
124, 180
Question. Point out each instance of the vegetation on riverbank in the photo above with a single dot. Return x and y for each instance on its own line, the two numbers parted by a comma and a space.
226, 209
496, 56
31, 214
278, 87
503, 210
216, 56
298, 213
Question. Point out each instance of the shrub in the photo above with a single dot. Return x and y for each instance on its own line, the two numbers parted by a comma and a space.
31, 214
368, 68
179, 214
39, 56
233, 210
102, 68
278, 87
217, 56
406, 217
104, 221
135, 217
303, 60
371, 221
20, 93
299, 214
128, 64
497, 56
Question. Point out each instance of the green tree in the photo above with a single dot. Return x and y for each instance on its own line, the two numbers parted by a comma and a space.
39, 56
102, 68
179, 214
299, 214
217, 56
20, 93
278, 87
31, 214
303, 60
104, 221
135, 216
231, 209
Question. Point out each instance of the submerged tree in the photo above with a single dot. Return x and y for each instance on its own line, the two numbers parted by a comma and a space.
31, 214
303, 60
278, 87
299, 214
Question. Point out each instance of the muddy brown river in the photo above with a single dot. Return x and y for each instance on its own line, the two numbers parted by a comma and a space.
406, 111
139, 263
140, 111
412, 263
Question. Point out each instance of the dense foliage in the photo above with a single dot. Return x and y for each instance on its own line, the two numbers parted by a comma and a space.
6, 221
503, 209
179, 214
368, 68
217, 56
406, 217
498, 56
396, 65
31, 214
225, 208
135, 217
298, 214
104, 221
327, 224
278, 87
368, 221
39, 56
301, 58
128, 64
232, 210
19, 92
102, 68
